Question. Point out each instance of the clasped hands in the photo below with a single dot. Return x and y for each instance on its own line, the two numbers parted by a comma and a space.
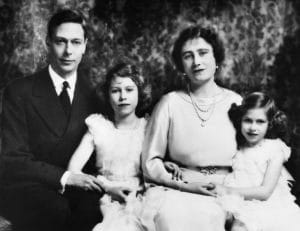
84, 181
210, 189
88, 182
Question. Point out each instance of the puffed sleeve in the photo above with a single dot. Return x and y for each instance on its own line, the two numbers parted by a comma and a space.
280, 150
155, 143
101, 129
285, 152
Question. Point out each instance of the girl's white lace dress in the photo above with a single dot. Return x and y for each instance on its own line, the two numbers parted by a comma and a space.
118, 153
279, 212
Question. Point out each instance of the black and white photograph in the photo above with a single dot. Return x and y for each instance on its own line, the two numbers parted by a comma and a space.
149, 115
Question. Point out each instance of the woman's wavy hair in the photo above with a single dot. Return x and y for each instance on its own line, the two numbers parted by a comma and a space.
125, 70
278, 123
193, 32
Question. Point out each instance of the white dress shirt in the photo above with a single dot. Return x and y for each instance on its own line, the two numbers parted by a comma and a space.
57, 81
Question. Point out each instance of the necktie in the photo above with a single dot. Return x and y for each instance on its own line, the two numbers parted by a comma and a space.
65, 99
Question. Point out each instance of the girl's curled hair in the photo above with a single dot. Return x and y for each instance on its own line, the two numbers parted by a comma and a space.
277, 127
125, 70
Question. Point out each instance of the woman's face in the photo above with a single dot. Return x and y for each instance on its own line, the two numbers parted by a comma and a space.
123, 96
254, 125
198, 61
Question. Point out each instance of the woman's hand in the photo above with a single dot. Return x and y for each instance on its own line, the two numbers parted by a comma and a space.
174, 169
200, 188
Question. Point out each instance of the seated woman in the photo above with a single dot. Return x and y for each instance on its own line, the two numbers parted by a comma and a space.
191, 128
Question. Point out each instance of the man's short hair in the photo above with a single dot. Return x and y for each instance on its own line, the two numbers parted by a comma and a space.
65, 16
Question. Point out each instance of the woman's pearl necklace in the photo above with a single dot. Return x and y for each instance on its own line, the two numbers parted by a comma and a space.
198, 109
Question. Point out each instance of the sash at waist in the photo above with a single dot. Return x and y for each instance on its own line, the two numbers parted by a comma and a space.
208, 174
208, 170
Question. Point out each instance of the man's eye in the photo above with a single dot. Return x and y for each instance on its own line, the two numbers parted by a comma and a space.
114, 91
59, 41
76, 42
261, 121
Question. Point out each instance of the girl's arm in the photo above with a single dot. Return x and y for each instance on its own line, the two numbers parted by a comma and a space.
264, 191
81, 154
76, 163
79, 159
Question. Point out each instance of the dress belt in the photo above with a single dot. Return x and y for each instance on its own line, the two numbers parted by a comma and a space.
209, 170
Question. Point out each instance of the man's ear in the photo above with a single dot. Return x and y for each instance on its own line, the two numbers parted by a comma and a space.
48, 41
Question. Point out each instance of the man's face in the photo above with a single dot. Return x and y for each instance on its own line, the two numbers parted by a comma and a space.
66, 48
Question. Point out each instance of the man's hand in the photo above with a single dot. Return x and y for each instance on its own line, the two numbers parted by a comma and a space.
83, 181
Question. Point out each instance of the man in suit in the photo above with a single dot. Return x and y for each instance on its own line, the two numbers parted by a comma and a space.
43, 123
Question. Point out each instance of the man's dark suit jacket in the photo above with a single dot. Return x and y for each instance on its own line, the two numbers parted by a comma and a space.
38, 138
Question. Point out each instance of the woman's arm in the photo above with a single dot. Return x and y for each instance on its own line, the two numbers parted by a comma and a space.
154, 151
81, 154
155, 144
264, 191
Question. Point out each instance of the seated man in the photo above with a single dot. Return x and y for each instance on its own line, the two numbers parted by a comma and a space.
43, 123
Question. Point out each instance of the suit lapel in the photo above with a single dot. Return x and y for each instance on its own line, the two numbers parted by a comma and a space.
47, 104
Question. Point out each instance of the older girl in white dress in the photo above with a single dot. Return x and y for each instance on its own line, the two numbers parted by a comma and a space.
257, 192
117, 140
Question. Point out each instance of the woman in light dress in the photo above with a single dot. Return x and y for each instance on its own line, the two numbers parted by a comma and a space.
117, 138
191, 127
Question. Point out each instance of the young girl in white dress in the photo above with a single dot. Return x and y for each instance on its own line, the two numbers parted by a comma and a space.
257, 192
117, 138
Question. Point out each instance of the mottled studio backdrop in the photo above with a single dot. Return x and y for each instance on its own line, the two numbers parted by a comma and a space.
261, 37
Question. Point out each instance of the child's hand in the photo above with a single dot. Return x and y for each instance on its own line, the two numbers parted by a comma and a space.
174, 169
220, 189
118, 193
201, 188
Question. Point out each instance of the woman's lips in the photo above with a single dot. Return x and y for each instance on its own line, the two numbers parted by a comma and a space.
123, 104
198, 70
